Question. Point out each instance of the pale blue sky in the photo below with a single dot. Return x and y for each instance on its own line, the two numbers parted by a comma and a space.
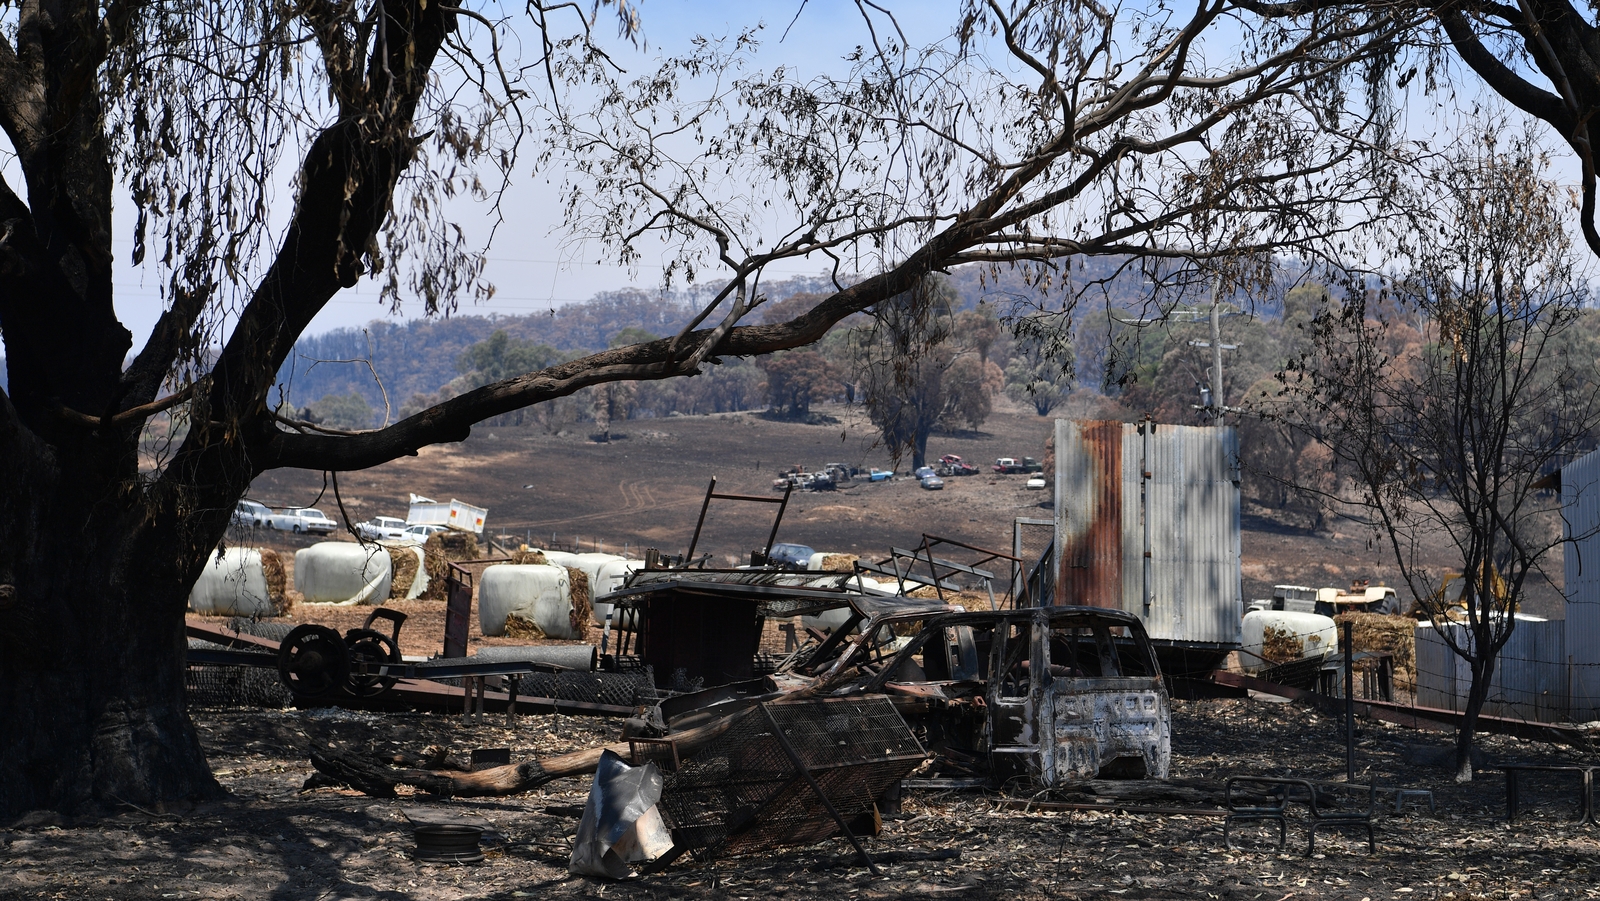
532, 267
527, 263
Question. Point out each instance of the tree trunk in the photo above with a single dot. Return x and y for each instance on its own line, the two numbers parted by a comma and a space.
1477, 694
92, 639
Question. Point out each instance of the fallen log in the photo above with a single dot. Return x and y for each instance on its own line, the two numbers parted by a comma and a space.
376, 775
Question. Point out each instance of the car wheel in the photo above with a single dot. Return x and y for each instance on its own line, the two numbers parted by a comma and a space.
297, 530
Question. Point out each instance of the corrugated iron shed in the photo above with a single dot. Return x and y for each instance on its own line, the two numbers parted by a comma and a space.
1580, 504
1530, 672
1148, 521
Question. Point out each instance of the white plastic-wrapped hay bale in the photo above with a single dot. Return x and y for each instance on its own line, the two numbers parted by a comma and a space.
561, 558
609, 577
590, 564
234, 583
342, 572
538, 593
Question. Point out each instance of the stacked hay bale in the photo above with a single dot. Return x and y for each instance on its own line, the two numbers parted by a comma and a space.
242, 582
529, 557
1394, 634
439, 551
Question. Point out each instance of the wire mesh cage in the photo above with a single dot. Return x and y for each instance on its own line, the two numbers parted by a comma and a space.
233, 686
744, 793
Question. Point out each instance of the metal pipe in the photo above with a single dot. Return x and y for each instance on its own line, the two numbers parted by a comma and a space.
706, 504
1349, 707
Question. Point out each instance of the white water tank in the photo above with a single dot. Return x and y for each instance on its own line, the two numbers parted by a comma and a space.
233, 583
540, 593
341, 572
1318, 635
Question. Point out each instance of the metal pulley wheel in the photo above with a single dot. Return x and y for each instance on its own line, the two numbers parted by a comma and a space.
369, 649
313, 661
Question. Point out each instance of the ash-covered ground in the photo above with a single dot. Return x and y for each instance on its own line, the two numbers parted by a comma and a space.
274, 841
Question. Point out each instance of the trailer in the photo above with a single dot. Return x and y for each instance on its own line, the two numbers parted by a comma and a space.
457, 515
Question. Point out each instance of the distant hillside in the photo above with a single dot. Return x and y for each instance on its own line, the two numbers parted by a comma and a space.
419, 357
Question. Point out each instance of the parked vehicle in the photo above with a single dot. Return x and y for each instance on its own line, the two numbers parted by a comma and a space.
1010, 465
419, 533
250, 513
1053, 694
1361, 598
301, 519
924, 471
932, 482
950, 459
791, 556
455, 515
823, 482
1037, 483
389, 527
878, 475
957, 468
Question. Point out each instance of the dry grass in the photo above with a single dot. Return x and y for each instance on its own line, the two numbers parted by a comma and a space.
527, 557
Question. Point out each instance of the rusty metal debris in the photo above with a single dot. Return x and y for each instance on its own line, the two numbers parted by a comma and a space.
790, 773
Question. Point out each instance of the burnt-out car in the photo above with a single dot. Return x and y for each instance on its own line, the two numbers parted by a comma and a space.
1054, 694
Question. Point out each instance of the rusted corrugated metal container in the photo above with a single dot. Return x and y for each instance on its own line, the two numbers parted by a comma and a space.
1147, 520
1530, 674
1580, 507
1089, 513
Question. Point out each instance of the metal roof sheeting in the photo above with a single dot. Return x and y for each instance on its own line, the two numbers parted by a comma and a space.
1112, 480
1580, 503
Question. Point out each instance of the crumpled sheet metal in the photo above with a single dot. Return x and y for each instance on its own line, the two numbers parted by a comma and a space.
621, 826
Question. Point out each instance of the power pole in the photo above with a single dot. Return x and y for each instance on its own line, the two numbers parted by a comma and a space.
1216, 403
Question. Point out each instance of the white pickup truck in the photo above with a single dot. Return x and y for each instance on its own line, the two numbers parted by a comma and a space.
300, 519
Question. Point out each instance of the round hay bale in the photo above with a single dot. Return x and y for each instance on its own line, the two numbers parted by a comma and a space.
235, 582
341, 572
608, 578
541, 595
560, 558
